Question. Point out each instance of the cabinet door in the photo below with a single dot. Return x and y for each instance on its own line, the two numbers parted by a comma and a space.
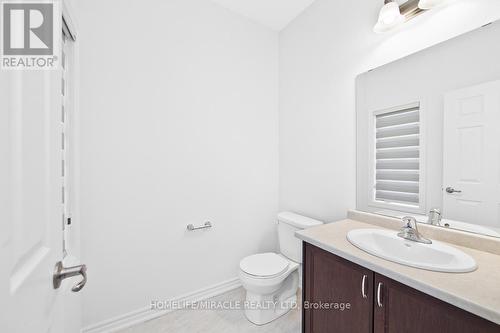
331, 280
403, 309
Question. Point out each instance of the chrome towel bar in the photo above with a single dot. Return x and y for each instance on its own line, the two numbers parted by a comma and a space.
207, 225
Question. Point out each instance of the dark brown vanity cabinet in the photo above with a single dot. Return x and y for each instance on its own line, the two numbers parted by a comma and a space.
329, 281
377, 303
403, 309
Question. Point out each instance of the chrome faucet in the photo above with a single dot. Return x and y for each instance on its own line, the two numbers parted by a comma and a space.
410, 231
435, 217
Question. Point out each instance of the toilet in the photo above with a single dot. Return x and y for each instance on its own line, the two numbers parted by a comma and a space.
271, 280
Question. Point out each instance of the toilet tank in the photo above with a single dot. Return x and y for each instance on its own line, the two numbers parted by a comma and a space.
288, 223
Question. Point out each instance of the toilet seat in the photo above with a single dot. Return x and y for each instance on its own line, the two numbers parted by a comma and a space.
264, 265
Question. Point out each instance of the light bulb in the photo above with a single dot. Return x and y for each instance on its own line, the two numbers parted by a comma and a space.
389, 18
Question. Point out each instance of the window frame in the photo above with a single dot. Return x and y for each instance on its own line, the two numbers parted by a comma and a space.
400, 207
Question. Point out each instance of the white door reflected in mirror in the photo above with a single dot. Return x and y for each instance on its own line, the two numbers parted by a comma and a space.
471, 154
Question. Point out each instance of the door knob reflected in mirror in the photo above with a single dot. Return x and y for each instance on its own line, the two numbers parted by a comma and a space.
61, 273
452, 190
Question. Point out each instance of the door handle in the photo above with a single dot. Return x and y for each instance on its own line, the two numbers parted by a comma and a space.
379, 295
61, 273
363, 287
452, 190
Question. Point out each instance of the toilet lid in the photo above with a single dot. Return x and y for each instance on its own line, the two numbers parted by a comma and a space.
264, 264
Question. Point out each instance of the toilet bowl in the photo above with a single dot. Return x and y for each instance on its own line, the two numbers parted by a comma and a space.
271, 283
271, 280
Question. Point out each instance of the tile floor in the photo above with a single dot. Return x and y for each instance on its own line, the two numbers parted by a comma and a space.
217, 321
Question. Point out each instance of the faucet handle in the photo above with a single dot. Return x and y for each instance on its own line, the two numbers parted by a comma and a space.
435, 210
410, 222
410, 231
435, 216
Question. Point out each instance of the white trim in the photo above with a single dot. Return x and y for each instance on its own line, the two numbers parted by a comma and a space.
68, 14
411, 105
424, 104
73, 306
146, 313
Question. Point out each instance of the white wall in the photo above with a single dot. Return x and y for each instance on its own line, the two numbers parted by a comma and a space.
179, 125
425, 77
321, 53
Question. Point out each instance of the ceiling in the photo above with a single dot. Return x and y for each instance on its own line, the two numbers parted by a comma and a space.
276, 14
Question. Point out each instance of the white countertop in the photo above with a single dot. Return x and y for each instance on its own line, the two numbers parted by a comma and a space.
477, 292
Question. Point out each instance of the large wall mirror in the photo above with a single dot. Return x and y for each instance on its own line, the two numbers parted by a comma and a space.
428, 135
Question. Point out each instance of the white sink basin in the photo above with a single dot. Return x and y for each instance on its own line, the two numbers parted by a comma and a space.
434, 257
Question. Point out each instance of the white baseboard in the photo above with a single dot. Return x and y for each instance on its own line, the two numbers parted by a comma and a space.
144, 314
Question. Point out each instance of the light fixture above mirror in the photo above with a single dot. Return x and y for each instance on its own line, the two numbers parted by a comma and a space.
392, 14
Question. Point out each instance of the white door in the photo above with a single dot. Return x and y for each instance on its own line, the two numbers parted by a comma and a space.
31, 197
471, 164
